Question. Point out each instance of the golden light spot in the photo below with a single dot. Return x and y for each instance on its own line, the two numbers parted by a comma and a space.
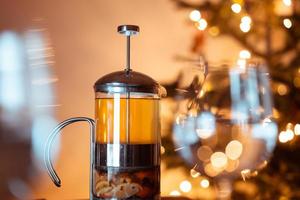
297, 129
285, 136
162, 150
289, 134
232, 165
210, 170
245, 24
201, 93
234, 149
175, 193
204, 183
214, 31
282, 89
289, 125
218, 160
275, 113
297, 82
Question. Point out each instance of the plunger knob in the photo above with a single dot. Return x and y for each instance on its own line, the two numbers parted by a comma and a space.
128, 30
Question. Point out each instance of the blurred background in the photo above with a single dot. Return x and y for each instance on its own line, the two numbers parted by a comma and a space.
52, 52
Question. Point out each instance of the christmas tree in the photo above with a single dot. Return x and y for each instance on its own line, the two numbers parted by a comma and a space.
268, 30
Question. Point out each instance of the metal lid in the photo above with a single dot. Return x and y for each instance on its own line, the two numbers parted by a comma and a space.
122, 81
128, 80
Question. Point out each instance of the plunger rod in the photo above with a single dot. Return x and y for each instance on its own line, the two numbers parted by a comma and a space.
128, 30
128, 54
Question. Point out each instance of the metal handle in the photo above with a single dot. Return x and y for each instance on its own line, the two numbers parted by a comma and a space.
52, 173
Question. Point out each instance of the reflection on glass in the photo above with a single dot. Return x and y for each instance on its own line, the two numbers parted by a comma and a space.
12, 69
228, 131
26, 105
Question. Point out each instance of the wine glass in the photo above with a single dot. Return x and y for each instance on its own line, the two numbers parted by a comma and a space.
224, 127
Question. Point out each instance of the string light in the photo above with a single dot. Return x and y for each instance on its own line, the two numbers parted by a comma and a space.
289, 135
245, 54
289, 126
297, 129
287, 2
175, 193
185, 186
195, 15
204, 183
162, 150
245, 27
245, 24
202, 24
246, 20
283, 137
236, 8
287, 23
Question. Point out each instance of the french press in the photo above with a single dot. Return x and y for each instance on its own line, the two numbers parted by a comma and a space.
125, 135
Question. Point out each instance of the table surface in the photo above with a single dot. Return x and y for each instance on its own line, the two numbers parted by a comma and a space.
162, 198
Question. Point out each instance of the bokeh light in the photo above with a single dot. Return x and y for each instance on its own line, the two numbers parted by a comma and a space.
245, 27
218, 160
246, 20
195, 15
204, 183
185, 186
236, 8
287, 23
287, 2
175, 193
202, 24
285, 136
204, 153
234, 150
297, 129
214, 31
282, 89
245, 54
